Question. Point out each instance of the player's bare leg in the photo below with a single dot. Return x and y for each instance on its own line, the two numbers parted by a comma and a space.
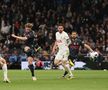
30, 62
66, 65
71, 65
31, 67
4, 68
58, 62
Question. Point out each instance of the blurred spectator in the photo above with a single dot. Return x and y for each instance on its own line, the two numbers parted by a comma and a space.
23, 57
13, 58
39, 64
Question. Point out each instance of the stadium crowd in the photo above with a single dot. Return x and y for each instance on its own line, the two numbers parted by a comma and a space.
88, 17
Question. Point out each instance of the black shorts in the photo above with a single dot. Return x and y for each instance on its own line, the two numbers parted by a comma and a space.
72, 58
30, 53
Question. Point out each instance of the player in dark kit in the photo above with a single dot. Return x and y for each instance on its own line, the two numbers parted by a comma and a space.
76, 42
29, 48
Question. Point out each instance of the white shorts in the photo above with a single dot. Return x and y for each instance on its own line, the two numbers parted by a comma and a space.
62, 54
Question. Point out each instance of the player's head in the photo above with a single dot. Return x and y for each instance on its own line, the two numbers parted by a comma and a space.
74, 34
28, 27
60, 28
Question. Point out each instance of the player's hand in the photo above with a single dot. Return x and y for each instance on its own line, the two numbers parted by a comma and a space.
13, 35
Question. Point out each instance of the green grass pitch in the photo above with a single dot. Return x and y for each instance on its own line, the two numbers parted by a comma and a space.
50, 80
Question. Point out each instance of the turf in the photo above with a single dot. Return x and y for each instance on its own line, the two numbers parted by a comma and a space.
50, 80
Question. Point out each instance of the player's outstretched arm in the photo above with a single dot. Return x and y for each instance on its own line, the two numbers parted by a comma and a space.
19, 37
88, 47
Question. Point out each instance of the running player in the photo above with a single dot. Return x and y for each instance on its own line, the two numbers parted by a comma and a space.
62, 42
29, 48
76, 42
4, 68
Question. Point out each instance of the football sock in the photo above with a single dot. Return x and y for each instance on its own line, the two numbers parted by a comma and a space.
4, 68
65, 73
31, 67
67, 68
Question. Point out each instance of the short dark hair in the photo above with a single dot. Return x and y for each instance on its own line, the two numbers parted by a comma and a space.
74, 32
60, 24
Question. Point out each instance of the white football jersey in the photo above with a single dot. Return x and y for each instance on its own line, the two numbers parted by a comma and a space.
61, 39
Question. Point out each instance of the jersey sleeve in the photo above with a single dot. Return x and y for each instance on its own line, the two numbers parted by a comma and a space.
66, 36
68, 39
56, 36
81, 42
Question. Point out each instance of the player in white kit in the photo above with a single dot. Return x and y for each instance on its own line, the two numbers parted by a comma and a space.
4, 68
62, 42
